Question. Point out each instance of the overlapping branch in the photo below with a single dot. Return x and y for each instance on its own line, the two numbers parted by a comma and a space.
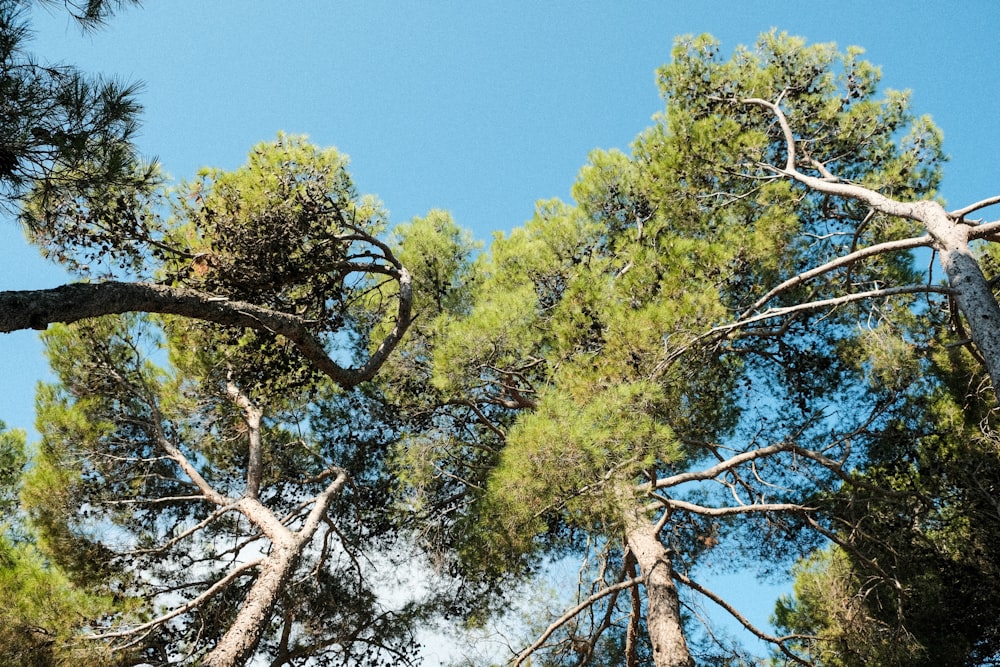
949, 236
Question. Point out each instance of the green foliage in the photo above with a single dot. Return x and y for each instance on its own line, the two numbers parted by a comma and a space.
541, 385
590, 444
41, 611
13, 458
919, 534
41, 608
287, 231
65, 140
147, 411
834, 620
582, 361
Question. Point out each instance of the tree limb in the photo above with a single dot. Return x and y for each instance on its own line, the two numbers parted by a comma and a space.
877, 249
36, 309
971, 208
187, 606
727, 511
569, 615
760, 634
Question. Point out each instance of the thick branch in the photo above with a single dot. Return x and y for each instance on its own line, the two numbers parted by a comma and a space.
36, 309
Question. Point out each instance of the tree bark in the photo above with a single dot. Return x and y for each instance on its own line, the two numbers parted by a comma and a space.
972, 290
36, 309
663, 611
950, 234
240, 641
237, 646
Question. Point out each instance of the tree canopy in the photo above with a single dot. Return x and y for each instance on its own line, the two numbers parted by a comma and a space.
270, 406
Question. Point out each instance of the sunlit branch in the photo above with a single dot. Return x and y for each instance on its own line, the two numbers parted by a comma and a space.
729, 511
877, 249
984, 230
753, 629
771, 313
971, 208
718, 469
569, 615
184, 608
252, 416
154, 501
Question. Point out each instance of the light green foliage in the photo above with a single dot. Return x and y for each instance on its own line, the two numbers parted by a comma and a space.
583, 362
561, 457
41, 610
287, 231
837, 626
437, 253
13, 458
541, 385
148, 423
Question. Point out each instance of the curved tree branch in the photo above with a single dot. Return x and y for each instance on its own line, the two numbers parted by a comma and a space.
757, 632
870, 251
972, 291
36, 309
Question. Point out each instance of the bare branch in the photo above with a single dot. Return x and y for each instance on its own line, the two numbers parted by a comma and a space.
771, 313
323, 501
728, 511
753, 629
984, 230
191, 531
786, 129
971, 208
184, 608
877, 249
569, 615
716, 470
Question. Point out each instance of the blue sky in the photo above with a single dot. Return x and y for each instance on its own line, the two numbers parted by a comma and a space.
480, 108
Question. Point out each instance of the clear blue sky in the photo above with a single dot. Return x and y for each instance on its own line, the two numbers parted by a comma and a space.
477, 107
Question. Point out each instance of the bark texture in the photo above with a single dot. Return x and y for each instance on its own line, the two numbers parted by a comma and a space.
972, 291
663, 611
36, 309
240, 641
237, 646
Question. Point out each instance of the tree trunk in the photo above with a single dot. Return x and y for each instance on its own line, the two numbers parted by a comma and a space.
240, 641
663, 611
972, 290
